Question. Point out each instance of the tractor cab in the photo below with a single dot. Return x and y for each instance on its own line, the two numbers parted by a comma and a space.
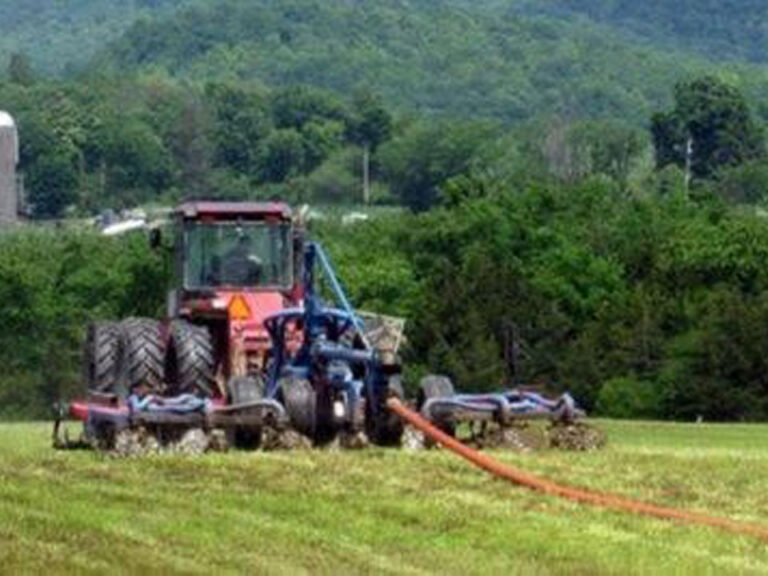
235, 247
236, 265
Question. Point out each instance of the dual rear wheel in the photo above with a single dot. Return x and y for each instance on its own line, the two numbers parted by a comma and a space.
191, 364
102, 349
121, 356
138, 351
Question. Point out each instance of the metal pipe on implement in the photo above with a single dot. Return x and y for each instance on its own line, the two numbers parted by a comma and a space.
522, 478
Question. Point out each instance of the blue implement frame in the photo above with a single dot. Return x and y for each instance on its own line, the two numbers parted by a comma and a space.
323, 328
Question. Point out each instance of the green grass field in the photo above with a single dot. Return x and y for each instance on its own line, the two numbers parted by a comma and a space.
380, 511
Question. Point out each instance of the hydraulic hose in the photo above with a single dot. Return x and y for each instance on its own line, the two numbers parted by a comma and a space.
522, 478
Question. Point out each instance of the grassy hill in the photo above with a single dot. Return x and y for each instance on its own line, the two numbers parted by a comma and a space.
380, 511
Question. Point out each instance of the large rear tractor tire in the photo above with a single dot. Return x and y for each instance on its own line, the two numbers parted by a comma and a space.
191, 361
142, 355
242, 391
383, 427
102, 357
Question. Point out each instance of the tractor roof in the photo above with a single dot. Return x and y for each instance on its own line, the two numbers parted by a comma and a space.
231, 210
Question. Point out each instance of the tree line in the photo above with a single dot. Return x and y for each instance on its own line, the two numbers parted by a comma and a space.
574, 256
103, 143
734, 30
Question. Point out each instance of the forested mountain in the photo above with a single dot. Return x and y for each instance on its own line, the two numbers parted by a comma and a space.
492, 59
63, 35
501, 59
719, 29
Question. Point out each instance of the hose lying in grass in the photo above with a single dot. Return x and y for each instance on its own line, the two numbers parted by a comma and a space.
522, 478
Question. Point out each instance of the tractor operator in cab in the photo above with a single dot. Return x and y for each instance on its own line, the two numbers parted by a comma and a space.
241, 267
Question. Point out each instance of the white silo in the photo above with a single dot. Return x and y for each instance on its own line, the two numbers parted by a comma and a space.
9, 158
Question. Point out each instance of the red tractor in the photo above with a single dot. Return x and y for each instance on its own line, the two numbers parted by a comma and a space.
248, 342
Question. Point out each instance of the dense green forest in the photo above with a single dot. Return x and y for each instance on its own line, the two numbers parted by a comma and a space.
652, 306
457, 58
733, 29
64, 36
94, 144
488, 58
573, 200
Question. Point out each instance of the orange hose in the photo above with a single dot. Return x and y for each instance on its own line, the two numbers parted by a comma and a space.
522, 478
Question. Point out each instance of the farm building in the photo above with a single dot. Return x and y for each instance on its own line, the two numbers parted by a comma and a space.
9, 158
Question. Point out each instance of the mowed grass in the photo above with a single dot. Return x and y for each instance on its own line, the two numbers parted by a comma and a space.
381, 511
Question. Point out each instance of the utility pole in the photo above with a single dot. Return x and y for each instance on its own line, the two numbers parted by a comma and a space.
688, 163
366, 173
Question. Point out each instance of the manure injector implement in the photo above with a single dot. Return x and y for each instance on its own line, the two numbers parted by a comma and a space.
252, 355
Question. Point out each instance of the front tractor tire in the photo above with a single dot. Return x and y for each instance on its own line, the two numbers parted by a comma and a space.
191, 360
142, 355
102, 357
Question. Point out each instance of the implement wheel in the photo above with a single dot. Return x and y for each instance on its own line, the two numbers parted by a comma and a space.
300, 400
383, 427
241, 391
142, 355
434, 386
102, 357
191, 363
